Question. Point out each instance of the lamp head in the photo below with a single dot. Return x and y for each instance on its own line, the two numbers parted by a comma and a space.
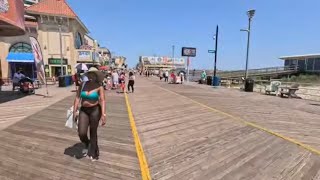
251, 13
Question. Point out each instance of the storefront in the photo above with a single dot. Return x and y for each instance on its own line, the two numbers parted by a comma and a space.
11, 21
54, 67
21, 57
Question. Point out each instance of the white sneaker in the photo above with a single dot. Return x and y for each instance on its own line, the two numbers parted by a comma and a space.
93, 159
85, 152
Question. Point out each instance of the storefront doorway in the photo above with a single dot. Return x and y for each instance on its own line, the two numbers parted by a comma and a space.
28, 69
21, 57
56, 70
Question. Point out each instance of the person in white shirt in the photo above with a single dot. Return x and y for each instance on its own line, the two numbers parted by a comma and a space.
115, 79
16, 78
166, 76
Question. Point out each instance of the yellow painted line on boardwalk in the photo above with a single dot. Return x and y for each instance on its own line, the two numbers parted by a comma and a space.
305, 146
145, 173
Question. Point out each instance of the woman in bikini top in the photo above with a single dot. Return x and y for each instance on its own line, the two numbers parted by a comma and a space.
92, 111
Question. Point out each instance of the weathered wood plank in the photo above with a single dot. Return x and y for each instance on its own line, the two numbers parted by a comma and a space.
183, 140
40, 147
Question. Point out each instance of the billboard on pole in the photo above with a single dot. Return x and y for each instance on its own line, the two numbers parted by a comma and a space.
189, 51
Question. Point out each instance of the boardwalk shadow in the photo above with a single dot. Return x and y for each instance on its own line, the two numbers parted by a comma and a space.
6, 96
75, 151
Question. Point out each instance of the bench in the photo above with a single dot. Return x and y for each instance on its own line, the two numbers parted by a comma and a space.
290, 92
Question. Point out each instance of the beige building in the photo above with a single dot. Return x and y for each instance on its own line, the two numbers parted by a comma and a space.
49, 17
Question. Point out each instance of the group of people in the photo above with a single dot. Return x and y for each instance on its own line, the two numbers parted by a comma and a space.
174, 78
119, 79
90, 103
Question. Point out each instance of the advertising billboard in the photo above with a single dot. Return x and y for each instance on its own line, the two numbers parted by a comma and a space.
189, 51
152, 60
84, 55
12, 18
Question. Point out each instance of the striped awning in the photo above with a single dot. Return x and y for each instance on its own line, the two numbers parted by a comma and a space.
20, 57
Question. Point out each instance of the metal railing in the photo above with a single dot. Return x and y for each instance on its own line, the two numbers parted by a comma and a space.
259, 72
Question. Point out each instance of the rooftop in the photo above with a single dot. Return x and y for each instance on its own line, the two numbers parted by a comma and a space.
300, 57
52, 7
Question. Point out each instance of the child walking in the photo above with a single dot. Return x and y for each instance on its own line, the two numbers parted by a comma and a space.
122, 81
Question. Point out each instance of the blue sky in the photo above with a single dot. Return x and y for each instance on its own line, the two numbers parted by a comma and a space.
150, 27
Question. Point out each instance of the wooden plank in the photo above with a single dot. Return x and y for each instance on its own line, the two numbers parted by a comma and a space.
184, 140
37, 147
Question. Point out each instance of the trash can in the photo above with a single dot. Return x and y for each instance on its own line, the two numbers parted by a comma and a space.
209, 80
62, 81
216, 81
248, 85
65, 81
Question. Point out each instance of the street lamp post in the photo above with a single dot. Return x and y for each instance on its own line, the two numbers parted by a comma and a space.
215, 53
215, 56
250, 14
173, 63
61, 54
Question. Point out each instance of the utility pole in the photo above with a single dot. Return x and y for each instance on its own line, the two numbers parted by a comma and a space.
61, 53
173, 62
215, 54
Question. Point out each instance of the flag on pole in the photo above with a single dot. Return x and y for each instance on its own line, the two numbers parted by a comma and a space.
38, 59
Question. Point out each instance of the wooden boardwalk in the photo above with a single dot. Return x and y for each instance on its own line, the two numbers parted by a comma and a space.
187, 132
14, 106
40, 147
185, 138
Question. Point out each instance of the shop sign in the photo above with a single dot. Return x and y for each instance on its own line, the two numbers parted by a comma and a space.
57, 61
84, 55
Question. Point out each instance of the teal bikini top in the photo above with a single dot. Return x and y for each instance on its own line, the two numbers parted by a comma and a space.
92, 96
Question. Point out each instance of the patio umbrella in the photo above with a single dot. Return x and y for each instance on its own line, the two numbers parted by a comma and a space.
104, 68
81, 67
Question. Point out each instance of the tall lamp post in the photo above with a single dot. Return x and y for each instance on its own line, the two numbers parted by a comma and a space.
250, 14
173, 65
215, 53
215, 56
61, 54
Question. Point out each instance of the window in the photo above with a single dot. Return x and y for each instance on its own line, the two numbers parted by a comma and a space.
78, 42
310, 63
21, 47
317, 64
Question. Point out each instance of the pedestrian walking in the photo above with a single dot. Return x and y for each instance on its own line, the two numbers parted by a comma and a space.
131, 82
122, 81
91, 99
181, 77
166, 76
115, 79
160, 75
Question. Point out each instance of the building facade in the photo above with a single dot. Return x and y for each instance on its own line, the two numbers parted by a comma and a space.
44, 21
18, 44
304, 63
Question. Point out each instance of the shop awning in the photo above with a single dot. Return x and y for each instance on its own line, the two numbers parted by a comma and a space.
20, 57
